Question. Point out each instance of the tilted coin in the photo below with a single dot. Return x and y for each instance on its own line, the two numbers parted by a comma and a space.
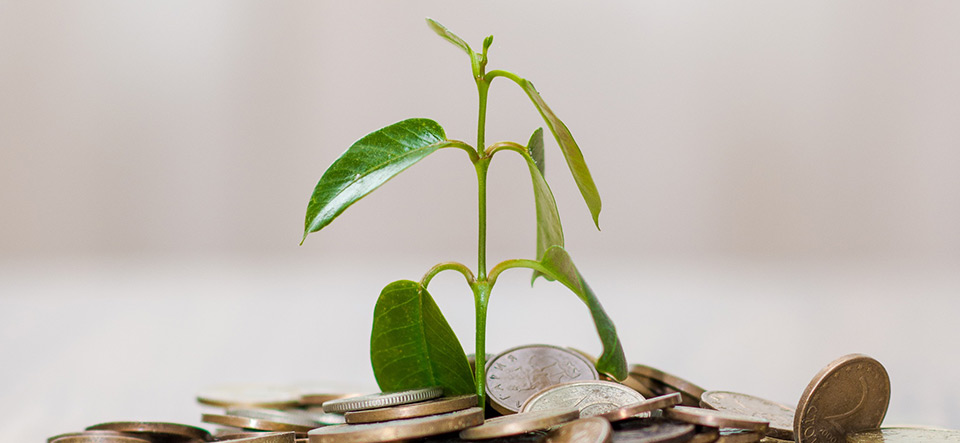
716, 419
260, 424
851, 394
420, 409
739, 436
590, 397
635, 383
87, 438
521, 423
643, 407
903, 435
652, 430
167, 431
398, 429
250, 395
516, 374
92, 434
688, 389
297, 418
262, 437
584, 430
779, 416
382, 400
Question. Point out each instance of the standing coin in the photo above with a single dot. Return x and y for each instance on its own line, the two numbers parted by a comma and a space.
170, 432
250, 396
432, 407
690, 391
398, 429
779, 416
591, 397
584, 430
643, 407
850, 395
521, 423
903, 435
716, 419
516, 374
382, 400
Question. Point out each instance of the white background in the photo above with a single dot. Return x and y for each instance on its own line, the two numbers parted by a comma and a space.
779, 181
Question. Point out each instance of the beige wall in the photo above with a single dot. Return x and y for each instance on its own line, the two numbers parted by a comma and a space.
771, 128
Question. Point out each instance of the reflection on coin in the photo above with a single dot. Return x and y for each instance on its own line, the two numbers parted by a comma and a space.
382, 400
432, 407
516, 374
652, 430
643, 407
250, 396
779, 416
259, 424
297, 418
903, 435
87, 438
521, 423
591, 397
584, 430
739, 436
851, 394
325, 418
398, 429
261, 437
716, 419
166, 431
690, 391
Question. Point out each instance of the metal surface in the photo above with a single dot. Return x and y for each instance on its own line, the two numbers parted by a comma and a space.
398, 429
421, 409
584, 430
520, 423
250, 395
905, 435
166, 431
653, 431
644, 407
382, 400
591, 397
254, 423
516, 374
716, 419
780, 416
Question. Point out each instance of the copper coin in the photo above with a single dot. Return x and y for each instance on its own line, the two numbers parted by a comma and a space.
688, 389
259, 424
88, 438
92, 434
261, 437
516, 424
643, 407
903, 435
779, 416
398, 429
850, 395
584, 430
420, 409
166, 431
516, 374
716, 419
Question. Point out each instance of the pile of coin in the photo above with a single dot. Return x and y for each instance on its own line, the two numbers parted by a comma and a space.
541, 393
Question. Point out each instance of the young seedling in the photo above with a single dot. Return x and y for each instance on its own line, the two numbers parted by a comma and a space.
412, 345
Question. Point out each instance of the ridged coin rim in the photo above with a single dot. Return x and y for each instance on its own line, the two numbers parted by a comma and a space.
382, 400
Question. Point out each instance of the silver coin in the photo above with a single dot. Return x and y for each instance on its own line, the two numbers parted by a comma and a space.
779, 416
516, 374
903, 435
644, 408
516, 424
590, 397
398, 429
289, 417
250, 395
382, 400
653, 431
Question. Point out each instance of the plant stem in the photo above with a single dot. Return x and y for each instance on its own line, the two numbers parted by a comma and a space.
481, 296
482, 166
448, 266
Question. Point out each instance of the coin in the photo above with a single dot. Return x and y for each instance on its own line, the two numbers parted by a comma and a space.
92, 434
324, 418
260, 424
634, 382
779, 416
261, 437
81, 437
297, 418
250, 395
516, 374
521, 423
432, 407
689, 390
591, 397
903, 435
382, 400
584, 430
643, 407
398, 429
851, 394
172, 432
716, 419
705, 434
652, 430
739, 436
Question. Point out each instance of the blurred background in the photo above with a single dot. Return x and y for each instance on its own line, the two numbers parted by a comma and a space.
780, 187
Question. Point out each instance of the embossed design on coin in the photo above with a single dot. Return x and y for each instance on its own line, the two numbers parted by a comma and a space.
905, 435
850, 395
584, 430
398, 429
516, 424
591, 397
655, 430
779, 416
516, 374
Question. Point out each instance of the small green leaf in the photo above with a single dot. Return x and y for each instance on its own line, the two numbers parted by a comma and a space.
369, 163
560, 266
571, 152
549, 229
412, 346
442, 31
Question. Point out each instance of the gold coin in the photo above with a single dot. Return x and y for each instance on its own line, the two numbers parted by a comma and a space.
689, 390
165, 431
779, 416
259, 424
902, 435
516, 374
382, 400
398, 429
591, 397
643, 407
250, 395
260, 437
849, 395
584, 430
521, 423
432, 407
715, 419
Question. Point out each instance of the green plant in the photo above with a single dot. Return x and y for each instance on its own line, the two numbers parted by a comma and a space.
411, 343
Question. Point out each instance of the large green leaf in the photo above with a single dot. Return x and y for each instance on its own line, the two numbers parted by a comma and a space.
369, 163
571, 152
442, 31
549, 229
412, 346
560, 266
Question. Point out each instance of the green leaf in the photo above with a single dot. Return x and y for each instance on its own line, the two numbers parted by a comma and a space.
549, 229
571, 152
412, 346
369, 163
560, 266
442, 31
